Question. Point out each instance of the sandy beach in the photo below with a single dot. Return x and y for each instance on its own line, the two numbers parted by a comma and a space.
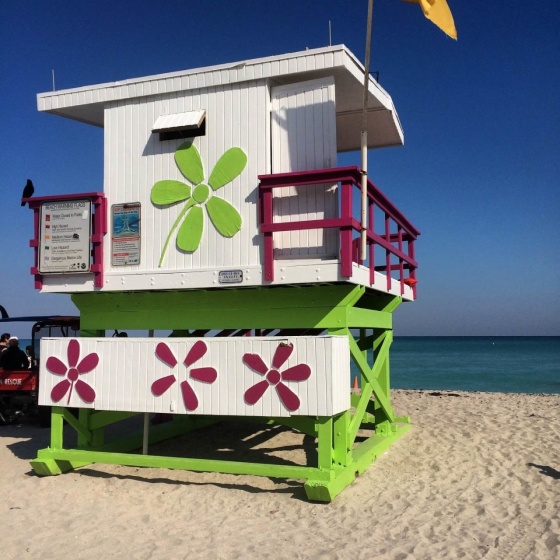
477, 476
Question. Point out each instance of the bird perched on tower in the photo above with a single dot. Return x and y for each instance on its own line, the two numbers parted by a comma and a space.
28, 191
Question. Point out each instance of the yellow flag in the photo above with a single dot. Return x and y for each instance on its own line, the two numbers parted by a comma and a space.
438, 12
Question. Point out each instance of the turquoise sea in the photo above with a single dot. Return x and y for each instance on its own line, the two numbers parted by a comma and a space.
473, 363
477, 363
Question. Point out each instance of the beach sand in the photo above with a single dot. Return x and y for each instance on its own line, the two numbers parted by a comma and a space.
477, 476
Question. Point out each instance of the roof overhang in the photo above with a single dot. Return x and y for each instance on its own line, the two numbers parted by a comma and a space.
87, 104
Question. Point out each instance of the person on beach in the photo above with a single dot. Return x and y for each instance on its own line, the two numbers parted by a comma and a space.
4, 341
13, 357
30, 358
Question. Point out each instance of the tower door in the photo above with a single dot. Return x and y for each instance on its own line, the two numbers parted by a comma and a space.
303, 134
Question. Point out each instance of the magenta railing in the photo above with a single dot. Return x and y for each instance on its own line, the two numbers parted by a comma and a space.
98, 230
396, 236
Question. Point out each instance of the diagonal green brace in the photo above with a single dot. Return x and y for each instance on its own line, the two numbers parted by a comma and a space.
370, 374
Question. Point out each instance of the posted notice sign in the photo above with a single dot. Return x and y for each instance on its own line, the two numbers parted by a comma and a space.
64, 243
125, 239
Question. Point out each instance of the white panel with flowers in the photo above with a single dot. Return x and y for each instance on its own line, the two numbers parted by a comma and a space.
243, 376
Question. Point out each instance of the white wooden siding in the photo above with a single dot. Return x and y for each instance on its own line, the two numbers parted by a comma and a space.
303, 135
127, 368
135, 159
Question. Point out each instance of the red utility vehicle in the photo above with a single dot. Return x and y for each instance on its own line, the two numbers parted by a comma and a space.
19, 388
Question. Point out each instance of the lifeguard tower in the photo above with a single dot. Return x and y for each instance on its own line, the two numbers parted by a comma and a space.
225, 221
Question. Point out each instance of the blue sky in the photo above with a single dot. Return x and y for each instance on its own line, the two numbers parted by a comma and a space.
479, 173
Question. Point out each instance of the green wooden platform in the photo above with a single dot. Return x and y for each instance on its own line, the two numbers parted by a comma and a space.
363, 315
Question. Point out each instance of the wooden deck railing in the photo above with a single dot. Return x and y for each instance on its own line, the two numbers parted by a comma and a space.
395, 236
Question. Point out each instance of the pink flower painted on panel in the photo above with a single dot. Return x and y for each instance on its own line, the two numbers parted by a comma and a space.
203, 374
273, 377
72, 372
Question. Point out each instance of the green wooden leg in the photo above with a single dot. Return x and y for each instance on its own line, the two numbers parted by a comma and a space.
45, 467
46, 464
342, 441
321, 490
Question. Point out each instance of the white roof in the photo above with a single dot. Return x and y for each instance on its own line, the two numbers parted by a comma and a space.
86, 104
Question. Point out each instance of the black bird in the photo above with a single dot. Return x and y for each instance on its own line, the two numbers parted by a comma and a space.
28, 191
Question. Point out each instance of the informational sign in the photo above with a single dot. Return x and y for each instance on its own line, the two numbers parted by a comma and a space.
64, 243
125, 239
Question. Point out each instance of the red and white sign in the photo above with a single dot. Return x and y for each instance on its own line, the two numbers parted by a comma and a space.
18, 380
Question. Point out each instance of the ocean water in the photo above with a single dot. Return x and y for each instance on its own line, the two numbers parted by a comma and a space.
473, 363
477, 363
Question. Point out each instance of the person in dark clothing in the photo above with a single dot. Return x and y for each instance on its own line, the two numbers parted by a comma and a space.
4, 341
13, 357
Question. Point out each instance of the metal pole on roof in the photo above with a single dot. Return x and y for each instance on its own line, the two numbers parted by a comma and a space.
364, 138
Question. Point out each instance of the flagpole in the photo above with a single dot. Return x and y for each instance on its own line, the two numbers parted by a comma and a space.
364, 138
438, 12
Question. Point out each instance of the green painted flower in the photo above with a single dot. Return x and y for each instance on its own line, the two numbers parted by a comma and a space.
224, 216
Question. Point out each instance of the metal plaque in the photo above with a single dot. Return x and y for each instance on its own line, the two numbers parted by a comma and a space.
230, 276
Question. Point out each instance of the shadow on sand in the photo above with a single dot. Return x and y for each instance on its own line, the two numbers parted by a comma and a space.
229, 441
548, 471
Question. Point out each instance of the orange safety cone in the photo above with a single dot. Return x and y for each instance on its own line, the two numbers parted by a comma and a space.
355, 386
